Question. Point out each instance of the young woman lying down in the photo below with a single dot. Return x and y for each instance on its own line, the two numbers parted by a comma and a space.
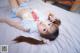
30, 22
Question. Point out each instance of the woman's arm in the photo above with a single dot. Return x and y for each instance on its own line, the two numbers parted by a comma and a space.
12, 23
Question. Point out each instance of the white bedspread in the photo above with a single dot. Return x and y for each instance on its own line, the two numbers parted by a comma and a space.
68, 40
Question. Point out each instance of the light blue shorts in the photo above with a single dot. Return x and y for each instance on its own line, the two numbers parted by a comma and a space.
13, 12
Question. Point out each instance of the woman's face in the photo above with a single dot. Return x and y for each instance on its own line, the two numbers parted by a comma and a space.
46, 27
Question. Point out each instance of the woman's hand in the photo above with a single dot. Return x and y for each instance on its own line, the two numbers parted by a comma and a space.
2, 20
51, 17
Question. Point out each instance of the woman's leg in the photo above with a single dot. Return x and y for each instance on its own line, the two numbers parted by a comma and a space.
21, 1
14, 4
15, 7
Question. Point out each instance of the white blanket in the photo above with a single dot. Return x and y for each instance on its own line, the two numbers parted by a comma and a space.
68, 40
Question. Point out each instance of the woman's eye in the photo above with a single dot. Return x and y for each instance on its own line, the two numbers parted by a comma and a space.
49, 24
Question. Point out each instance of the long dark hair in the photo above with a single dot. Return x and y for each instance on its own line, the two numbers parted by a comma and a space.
51, 36
28, 40
33, 41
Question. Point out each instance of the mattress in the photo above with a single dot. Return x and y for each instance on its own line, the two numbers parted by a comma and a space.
68, 40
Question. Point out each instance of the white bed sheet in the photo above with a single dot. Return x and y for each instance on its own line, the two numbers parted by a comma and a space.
68, 40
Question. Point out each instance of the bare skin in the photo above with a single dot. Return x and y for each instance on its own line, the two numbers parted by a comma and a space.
43, 26
15, 4
12, 23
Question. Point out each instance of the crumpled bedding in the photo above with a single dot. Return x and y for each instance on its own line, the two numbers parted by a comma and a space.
68, 40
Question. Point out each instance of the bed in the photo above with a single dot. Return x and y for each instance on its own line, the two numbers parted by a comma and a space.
68, 40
